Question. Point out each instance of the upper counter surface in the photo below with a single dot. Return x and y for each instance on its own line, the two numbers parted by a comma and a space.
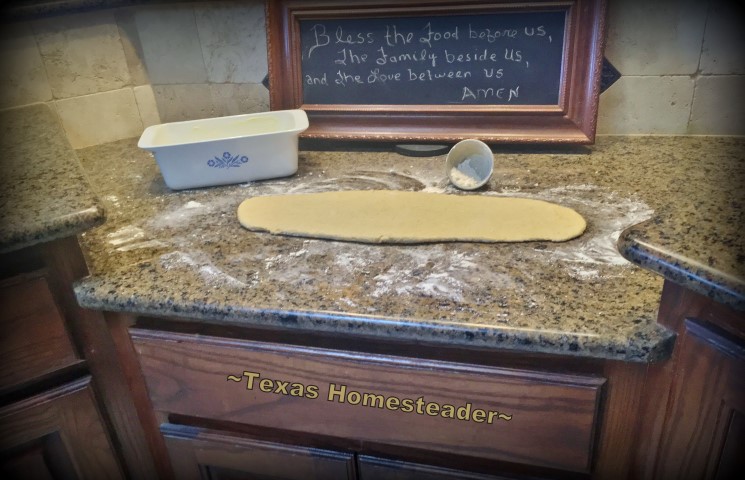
184, 254
695, 238
43, 192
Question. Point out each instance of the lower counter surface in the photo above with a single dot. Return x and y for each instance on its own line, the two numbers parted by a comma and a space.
184, 254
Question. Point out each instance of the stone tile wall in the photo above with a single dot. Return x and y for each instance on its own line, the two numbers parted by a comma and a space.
111, 73
683, 67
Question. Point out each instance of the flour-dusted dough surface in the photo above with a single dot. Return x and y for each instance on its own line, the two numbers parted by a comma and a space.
386, 216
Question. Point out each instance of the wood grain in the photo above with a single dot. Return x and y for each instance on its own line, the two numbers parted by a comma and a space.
148, 425
551, 417
65, 262
372, 468
204, 454
69, 411
33, 338
688, 417
619, 421
708, 391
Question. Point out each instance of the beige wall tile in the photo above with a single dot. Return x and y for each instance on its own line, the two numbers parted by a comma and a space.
718, 106
125, 19
191, 102
100, 118
147, 106
82, 53
639, 105
183, 102
724, 40
23, 79
170, 45
233, 40
661, 37
232, 99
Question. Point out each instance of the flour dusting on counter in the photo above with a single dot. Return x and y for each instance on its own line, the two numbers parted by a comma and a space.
183, 215
429, 271
612, 214
212, 275
124, 235
142, 245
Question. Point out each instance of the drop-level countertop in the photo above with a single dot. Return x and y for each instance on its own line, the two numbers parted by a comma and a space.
184, 254
43, 193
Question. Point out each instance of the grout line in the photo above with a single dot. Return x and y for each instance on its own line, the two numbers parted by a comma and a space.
201, 45
115, 14
207, 80
697, 74
32, 28
51, 102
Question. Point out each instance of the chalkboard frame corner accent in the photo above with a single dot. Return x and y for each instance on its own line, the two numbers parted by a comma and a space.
572, 119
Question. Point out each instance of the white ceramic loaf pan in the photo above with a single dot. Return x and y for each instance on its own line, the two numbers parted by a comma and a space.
225, 150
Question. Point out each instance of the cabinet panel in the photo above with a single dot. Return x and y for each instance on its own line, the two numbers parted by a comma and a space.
58, 434
512, 415
199, 454
704, 424
33, 336
44, 458
372, 468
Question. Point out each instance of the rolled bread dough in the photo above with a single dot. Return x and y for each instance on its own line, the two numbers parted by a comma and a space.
386, 216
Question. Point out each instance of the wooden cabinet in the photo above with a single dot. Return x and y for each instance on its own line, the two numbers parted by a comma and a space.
467, 410
202, 454
225, 395
363, 403
239, 402
696, 401
373, 468
34, 340
65, 407
706, 408
57, 434
198, 453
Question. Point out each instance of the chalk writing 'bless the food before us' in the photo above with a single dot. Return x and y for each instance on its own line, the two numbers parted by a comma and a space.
426, 57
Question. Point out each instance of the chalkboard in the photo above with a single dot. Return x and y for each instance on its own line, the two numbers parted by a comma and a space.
439, 70
510, 58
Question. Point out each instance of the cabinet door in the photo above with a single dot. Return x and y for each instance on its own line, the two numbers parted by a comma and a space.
372, 468
56, 435
199, 454
33, 337
704, 434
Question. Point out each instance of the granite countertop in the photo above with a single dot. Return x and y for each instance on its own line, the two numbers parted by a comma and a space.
695, 238
183, 254
43, 192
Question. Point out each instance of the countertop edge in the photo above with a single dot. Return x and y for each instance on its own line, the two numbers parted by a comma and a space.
683, 271
431, 332
61, 227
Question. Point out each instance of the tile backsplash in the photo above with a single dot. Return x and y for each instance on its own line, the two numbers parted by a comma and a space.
111, 73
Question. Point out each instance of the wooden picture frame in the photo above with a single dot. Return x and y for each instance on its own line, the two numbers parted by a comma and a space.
571, 119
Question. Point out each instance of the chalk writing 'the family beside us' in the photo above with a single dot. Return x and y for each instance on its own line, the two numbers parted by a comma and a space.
426, 58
